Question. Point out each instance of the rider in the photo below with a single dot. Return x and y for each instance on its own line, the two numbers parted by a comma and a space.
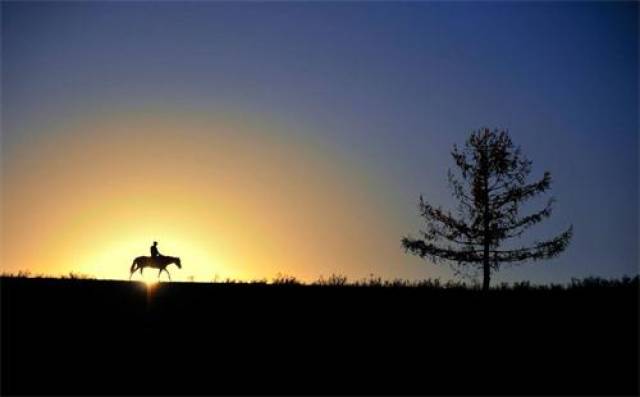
154, 250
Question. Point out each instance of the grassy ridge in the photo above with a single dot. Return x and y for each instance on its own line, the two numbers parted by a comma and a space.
81, 336
338, 280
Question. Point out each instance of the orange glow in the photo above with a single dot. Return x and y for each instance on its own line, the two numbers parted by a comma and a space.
150, 283
232, 198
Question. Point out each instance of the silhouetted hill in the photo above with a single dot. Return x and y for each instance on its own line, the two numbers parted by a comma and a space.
111, 337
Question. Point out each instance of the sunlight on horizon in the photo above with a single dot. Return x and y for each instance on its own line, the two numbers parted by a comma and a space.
150, 281
236, 199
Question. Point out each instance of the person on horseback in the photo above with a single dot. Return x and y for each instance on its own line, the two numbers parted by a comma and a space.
154, 250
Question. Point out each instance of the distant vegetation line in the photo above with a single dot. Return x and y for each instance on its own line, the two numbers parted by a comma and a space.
337, 280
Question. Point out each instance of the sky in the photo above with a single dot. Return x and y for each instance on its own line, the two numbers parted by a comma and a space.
257, 138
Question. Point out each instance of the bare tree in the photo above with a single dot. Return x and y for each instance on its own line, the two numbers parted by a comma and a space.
490, 188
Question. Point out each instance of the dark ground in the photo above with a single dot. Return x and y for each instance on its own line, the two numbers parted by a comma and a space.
106, 337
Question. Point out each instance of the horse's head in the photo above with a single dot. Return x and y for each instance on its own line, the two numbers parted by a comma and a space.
178, 263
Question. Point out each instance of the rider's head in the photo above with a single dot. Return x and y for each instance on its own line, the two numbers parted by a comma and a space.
155, 243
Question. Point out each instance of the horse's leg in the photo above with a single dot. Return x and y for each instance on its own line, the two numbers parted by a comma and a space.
168, 274
159, 273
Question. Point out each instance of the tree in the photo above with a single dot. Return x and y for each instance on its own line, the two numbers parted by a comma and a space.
490, 192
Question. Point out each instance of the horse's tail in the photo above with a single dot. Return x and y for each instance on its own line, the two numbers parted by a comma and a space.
133, 265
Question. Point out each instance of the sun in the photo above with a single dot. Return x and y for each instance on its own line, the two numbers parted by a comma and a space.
150, 283
149, 278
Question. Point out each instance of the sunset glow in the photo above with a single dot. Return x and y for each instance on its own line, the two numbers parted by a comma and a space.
232, 199
150, 281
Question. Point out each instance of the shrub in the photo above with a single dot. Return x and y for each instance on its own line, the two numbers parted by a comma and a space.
284, 279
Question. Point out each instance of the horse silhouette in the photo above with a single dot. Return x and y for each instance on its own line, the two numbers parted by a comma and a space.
159, 262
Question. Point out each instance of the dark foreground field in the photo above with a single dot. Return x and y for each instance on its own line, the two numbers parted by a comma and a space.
108, 337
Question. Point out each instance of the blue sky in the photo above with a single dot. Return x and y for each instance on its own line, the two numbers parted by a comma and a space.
390, 85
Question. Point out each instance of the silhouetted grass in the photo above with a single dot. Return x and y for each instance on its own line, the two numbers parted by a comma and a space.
27, 274
340, 280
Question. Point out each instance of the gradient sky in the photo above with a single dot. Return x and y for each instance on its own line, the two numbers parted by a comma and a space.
257, 138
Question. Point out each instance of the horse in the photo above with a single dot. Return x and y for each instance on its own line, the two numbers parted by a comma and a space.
159, 262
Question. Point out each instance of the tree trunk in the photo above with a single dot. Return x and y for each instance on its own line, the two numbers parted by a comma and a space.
486, 268
486, 265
